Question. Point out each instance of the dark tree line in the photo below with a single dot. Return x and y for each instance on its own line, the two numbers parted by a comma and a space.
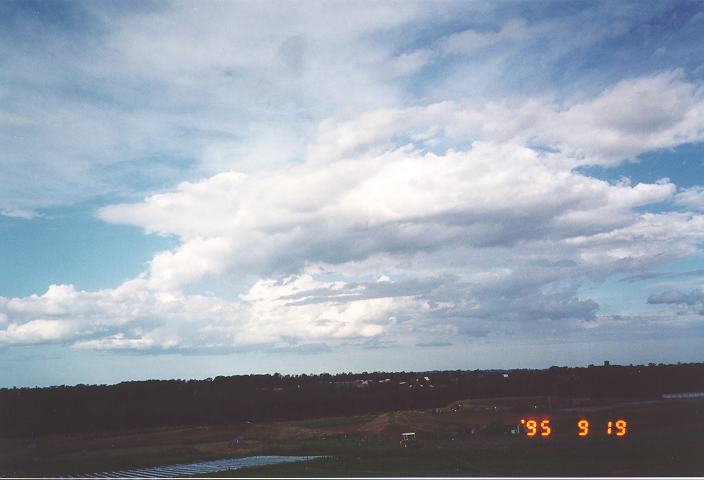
156, 403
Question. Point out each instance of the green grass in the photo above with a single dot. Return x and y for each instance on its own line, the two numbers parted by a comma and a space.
662, 441
546, 459
332, 422
666, 439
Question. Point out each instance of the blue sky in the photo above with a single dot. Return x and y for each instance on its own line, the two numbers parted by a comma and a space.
191, 189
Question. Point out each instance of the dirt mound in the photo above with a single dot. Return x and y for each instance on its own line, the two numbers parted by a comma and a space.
418, 420
381, 424
281, 431
405, 421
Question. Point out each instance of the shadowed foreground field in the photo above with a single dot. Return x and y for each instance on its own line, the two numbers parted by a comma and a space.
464, 438
503, 459
664, 438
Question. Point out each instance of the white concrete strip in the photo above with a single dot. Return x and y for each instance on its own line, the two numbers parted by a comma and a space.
185, 469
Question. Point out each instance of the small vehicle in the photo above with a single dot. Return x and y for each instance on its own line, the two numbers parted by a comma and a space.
408, 440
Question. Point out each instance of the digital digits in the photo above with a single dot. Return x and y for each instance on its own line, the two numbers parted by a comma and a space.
545, 429
618, 428
583, 426
532, 427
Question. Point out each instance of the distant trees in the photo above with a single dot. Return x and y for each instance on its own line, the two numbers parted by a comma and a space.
155, 403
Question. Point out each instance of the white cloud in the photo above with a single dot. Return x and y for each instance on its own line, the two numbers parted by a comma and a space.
411, 62
468, 41
689, 305
501, 219
370, 187
230, 85
15, 213
180, 85
273, 315
632, 117
14, 120
692, 197
629, 118
36, 331
134, 317
307, 163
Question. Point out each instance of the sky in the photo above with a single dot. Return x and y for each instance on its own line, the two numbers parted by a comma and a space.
193, 189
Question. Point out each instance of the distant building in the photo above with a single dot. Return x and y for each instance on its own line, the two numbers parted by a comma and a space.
683, 395
351, 384
607, 363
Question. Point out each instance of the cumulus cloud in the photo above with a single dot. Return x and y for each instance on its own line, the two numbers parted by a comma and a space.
289, 312
692, 197
475, 242
688, 305
132, 316
36, 331
377, 186
350, 211
189, 87
626, 119
632, 117
397, 204
676, 297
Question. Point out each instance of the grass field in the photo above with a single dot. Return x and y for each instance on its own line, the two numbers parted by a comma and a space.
509, 459
333, 421
664, 438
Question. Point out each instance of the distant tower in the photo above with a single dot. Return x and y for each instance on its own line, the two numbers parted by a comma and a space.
606, 363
